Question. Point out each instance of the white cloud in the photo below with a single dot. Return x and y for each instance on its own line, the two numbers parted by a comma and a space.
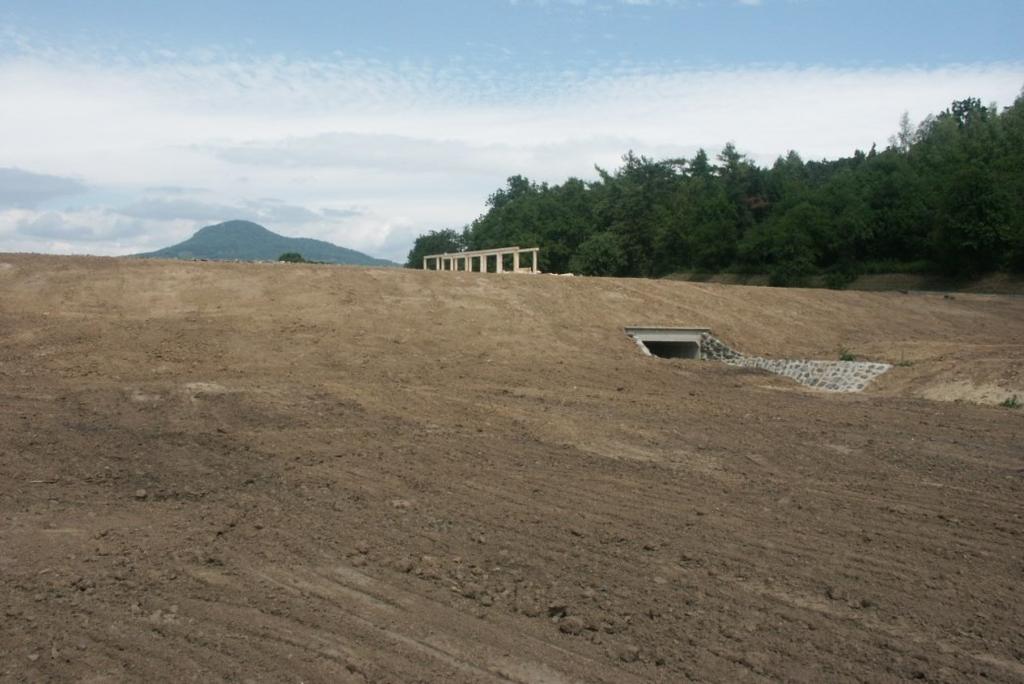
367, 154
85, 231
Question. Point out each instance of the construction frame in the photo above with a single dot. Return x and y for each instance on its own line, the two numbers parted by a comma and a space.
464, 261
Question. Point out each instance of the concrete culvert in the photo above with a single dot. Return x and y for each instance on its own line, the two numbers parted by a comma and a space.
699, 343
669, 343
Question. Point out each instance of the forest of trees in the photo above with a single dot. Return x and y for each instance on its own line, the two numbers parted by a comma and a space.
944, 197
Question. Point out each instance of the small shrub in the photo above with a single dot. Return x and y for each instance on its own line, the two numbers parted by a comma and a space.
292, 258
1012, 403
841, 275
838, 280
846, 355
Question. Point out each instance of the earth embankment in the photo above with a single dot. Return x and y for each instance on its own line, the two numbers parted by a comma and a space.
273, 472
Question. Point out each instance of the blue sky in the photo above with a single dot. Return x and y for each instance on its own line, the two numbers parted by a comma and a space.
553, 34
127, 125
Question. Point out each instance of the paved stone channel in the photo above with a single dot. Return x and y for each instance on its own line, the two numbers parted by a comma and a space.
831, 376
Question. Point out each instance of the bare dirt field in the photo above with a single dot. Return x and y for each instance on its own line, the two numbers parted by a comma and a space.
251, 472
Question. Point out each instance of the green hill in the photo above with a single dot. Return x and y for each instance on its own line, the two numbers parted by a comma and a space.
247, 241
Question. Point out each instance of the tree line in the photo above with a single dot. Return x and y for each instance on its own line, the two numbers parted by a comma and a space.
944, 197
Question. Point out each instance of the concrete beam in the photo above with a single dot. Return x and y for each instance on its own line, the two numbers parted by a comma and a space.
455, 261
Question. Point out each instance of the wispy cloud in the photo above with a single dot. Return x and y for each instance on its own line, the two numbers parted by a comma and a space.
367, 154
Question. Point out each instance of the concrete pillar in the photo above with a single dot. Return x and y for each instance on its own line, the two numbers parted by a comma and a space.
515, 261
501, 265
534, 267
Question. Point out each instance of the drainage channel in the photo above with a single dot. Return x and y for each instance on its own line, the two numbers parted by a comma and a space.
699, 343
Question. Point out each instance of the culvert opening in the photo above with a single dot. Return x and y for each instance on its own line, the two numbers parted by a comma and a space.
669, 343
673, 350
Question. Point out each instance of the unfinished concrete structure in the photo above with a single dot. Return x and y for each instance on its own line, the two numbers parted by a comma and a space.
464, 261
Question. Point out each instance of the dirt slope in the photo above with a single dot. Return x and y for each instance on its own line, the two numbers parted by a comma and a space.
302, 473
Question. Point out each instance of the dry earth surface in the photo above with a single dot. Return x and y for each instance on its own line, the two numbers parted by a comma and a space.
308, 473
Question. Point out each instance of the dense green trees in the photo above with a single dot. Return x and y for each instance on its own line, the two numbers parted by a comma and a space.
946, 196
435, 242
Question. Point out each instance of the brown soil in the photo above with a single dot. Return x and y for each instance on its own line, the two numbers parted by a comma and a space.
310, 473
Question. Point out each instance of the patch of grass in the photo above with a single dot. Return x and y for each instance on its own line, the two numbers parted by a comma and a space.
904, 363
846, 355
1012, 403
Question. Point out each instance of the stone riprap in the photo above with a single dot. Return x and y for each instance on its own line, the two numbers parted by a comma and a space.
831, 376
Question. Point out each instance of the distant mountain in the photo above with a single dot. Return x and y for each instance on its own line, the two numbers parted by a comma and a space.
247, 241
